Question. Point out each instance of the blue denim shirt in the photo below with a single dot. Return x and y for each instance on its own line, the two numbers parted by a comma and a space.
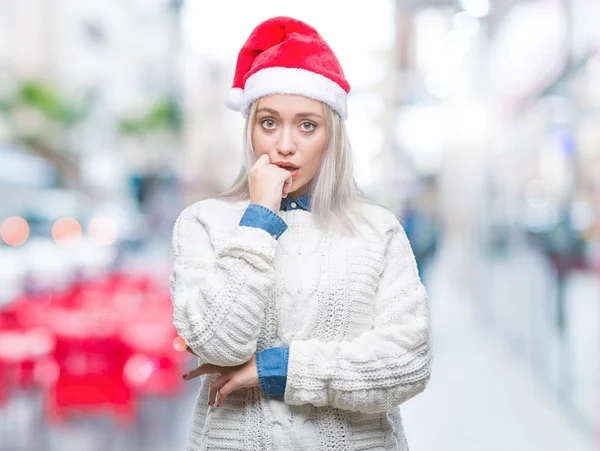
272, 363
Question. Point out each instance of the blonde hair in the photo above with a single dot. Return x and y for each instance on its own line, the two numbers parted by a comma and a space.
335, 197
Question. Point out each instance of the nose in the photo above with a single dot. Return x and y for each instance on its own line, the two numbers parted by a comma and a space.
286, 144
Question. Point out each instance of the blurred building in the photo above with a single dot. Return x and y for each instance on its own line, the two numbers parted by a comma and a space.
500, 101
116, 63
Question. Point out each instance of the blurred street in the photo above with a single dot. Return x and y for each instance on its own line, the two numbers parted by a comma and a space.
474, 121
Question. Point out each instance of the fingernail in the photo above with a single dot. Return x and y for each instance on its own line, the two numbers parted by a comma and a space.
184, 376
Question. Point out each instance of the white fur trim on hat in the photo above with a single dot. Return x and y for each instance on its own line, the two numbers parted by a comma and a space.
284, 80
235, 97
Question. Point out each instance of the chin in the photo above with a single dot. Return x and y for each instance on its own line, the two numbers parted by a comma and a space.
295, 186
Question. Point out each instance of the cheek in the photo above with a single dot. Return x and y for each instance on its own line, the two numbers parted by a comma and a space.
261, 143
315, 155
319, 148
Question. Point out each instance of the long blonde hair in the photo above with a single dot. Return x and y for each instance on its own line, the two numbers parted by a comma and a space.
335, 197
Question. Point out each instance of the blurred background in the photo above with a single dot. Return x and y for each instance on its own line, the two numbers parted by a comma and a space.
475, 121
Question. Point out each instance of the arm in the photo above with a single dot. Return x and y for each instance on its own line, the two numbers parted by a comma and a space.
219, 299
382, 367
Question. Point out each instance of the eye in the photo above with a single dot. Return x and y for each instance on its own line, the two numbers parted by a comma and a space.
268, 123
308, 126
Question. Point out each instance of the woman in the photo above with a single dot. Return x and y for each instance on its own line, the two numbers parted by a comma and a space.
300, 298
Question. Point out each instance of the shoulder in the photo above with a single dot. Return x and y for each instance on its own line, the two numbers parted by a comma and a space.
209, 211
206, 221
380, 218
390, 233
210, 219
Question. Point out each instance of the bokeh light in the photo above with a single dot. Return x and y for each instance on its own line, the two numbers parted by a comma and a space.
179, 344
138, 369
102, 230
14, 231
66, 230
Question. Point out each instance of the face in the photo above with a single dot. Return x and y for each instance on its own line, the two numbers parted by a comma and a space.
291, 129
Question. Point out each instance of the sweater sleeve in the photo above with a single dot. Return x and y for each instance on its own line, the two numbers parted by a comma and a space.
219, 298
382, 367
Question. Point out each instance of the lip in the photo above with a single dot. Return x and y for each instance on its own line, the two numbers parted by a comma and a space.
286, 164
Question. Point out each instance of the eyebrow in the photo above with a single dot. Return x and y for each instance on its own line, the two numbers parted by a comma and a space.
276, 113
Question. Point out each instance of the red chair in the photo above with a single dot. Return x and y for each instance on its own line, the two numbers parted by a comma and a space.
23, 342
90, 358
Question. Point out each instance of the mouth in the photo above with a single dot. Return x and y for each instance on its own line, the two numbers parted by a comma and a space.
286, 165
291, 168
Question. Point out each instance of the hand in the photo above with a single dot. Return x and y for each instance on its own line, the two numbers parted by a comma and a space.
231, 378
268, 183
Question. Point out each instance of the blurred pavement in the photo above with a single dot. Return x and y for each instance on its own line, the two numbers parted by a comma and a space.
480, 397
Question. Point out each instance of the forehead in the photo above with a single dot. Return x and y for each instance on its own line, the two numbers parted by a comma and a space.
290, 104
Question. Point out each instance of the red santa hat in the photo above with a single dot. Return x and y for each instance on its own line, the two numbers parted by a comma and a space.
287, 56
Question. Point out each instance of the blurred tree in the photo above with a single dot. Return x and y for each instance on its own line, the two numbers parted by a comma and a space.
164, 115
40, 119
48, 102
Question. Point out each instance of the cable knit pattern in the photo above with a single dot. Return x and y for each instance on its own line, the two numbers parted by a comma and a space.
220, 293
352, 310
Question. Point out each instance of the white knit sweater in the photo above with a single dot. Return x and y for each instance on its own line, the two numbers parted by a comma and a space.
352, 310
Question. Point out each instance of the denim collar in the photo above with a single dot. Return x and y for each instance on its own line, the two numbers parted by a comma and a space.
303, 203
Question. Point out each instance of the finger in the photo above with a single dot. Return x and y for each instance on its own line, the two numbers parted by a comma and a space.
263, 160
230, 386
215, 386
207, 368
287, 185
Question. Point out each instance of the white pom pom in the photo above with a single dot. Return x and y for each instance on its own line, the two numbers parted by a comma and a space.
235, 99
